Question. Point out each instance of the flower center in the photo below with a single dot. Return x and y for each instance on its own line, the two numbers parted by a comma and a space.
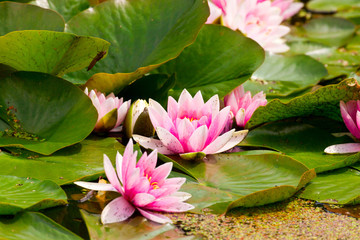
154, 185
192, 119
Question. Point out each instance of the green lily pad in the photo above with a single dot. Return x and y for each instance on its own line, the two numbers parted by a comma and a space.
136, 228
143, 34
44, 113
280, 76
242, 179
32, 18
331, 5
67, 8
49, 52
322, 102
330, 31
217, 62
30, 225
82, 161
18, 194
335, 187
302, 142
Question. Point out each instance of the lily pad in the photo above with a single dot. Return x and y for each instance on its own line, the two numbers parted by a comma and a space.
143, 34
217, 62
137, 228
67, 8
18, 194
49, 52
44, 113
82, 161
302, 142
330, 31
30, 225
331, 5
32, 18
240, 179
322, 102
280, 76
335, 187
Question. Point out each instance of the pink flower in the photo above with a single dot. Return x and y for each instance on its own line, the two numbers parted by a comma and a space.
111, 111
142, 186
350, 113
242, 105
259, 20
190, 126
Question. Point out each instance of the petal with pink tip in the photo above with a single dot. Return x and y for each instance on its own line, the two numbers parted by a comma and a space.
96, 186
116, 211
169, 204
343, 148
111, 174
151, 143
240, 117
143, 199
158, 115
214, 104
218, 124
169, 140
182, 196
155, 217
219, 142
236, 138
198, 139
172, 108
119, 161
349, 121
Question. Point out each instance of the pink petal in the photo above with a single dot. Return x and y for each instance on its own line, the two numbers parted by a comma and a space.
161, 173
122, 111
119, 161
215, 13
159, 116
184, 130
214, 104
236, 138
349, 121
143, 199
169, 204
96, 186
111, 174
343, 148
182, 196
151, 143
219, 142
172, 108
218, 124
169, 140
198, 139
240, 117
116, 211
155, 217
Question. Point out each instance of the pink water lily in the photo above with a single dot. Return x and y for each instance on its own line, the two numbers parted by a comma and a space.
259, 20
111, 111
350, 113
242, 105
142, 186
190, 126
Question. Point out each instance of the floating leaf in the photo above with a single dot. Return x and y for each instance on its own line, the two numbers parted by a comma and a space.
217, 62
30, 225
137, 228
143, 34
280, 76
331, 5
322, 102
242, 179
335, 187
32, 18
49, 52
82, 161
44, 113
302, 142
330, 31
67, 8
18, 194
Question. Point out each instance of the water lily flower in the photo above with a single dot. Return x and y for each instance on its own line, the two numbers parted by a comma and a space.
190, 127
350, 113
111, 111
142, 186
258, 20
242, 105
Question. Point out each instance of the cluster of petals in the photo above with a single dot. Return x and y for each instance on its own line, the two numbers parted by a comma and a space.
190, 126
350, 113
105, 107
142, 186
242, 105
259, 20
